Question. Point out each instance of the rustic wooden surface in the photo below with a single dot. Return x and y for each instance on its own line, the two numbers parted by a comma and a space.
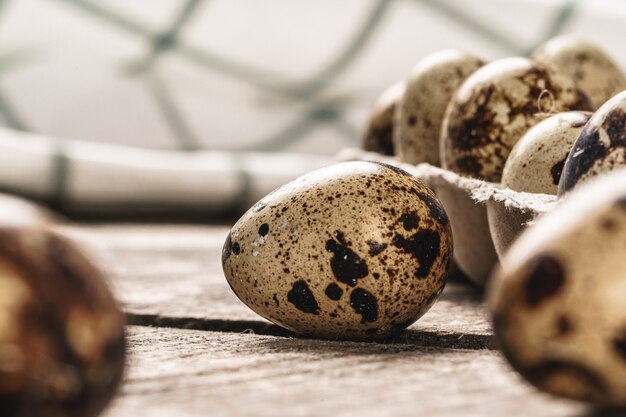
195, 350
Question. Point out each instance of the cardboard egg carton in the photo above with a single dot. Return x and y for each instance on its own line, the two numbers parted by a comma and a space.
485, 217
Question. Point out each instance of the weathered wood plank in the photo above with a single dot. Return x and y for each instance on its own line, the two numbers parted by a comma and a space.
176, 372
175, 271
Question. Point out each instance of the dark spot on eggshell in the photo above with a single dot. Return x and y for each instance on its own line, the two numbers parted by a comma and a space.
346, 265
609, 225
226, 250
564, 325
423, 245
264, 229
586, 151
393, 168
619, 344
236, 249
472, 132
545, 280
469, 165
333, 291
410, 221
589, 148
412, 120
615, 126
556, 170
375, 247
436, 209
364, 303
541, 375
302, 298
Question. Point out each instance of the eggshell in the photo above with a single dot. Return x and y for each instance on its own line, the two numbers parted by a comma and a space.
558, 299
494, 107
420, 113
536, 161
17, 212
378, 133
61, 332
601, 146
354, 250
593, 71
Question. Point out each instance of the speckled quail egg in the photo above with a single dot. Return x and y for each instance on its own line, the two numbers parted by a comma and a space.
379, 128
536, 161
420, 112
61, 332
494, 107
558, 298
593, 71
600, 147
354, 250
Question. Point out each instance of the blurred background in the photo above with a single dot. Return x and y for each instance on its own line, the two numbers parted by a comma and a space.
249, 75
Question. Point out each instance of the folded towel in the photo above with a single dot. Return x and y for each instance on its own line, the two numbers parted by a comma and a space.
93, 177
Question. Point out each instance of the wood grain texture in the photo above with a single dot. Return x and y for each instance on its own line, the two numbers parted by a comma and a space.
209, 355
176, 372
175, 272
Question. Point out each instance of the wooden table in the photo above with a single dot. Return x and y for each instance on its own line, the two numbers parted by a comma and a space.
196, 350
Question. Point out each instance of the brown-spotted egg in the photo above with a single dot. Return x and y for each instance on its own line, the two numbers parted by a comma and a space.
62, 344
558, 299
536, 161
354, 250
379, 128
593, 71
600, 147
494, 107
420, 112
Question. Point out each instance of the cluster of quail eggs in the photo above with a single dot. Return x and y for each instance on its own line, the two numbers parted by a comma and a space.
361, 249
511, 121
542, 124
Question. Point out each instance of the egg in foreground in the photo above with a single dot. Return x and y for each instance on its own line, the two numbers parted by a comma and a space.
352, 251
558, 299
62, 345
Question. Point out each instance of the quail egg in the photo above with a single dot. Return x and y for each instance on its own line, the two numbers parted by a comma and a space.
61, 334
354, 250
558, 298
379, 129
600, 147
494, 107
429, 88
536, 161
593, 71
